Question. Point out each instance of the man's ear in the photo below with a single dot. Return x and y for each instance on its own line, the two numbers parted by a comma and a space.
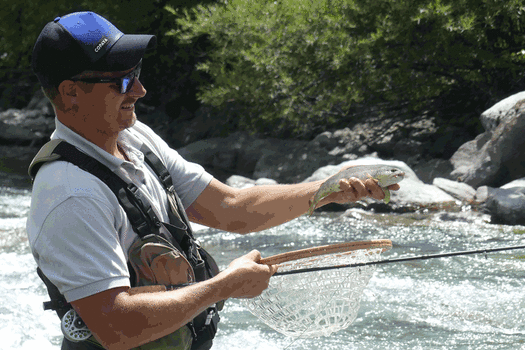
68, 88
68, 91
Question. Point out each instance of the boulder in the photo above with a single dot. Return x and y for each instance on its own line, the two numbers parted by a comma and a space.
238, 154
515, 184
482, 194
462, 160
25, 127
495, 115
428, 170
291, 162
458, 190
496, 156
238, 181
506, 205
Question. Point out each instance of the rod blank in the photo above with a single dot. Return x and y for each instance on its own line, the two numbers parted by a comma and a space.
397, 260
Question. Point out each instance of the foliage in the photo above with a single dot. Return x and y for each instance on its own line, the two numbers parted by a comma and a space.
165, 69
295, 66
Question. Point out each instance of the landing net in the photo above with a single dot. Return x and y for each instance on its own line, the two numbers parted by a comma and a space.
317, 303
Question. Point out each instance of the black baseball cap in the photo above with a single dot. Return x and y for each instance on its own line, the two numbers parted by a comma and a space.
83, 41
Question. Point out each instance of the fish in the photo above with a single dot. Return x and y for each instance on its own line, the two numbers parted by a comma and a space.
385, 175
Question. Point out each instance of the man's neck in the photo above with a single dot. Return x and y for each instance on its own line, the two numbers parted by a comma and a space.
107, 142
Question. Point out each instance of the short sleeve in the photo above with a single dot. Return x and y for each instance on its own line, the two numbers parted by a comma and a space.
78, 248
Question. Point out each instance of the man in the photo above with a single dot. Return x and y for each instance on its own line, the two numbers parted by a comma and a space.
79, 234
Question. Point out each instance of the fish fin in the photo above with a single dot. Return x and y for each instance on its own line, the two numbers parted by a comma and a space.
311, 210
387, 194
312, 206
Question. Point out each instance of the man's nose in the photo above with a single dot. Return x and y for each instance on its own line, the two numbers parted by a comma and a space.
137, 90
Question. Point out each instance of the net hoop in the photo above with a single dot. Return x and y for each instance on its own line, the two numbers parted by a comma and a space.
321, 302
385, 244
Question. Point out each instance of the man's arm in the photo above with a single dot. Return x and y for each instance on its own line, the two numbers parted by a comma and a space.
261, 207
122, 319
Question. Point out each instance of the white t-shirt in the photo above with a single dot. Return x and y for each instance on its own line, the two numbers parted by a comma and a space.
78, 233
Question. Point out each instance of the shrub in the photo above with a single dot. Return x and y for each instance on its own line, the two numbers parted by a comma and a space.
293, 67
168, 72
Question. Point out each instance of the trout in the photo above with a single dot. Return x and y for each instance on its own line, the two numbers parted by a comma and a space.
385, 175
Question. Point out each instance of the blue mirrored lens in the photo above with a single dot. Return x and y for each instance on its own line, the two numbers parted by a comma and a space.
129, 79
127, 84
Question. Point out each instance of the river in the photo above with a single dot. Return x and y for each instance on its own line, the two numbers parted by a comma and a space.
464, 302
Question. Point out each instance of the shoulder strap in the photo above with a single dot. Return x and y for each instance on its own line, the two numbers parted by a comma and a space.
138, 210
177, 214
45, 154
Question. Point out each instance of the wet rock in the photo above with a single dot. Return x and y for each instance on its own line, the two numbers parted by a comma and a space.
428, 170
507, 205
30, 126
290, 163
456, 189
498, 155
238, 181
514, 184
482, 194
264, 181
241, 154
495, 115
25, 127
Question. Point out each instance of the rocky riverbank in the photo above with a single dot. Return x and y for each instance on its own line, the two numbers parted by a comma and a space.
486, 174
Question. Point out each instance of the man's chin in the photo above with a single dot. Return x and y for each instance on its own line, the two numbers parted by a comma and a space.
133, 120
128, 123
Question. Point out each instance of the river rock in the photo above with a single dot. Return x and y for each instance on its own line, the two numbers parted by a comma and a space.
428, 170
30, 126
498, 113
240, 182
290, 163
515, 184
25, 127
507, 205
458, 190
238, 154
482, 194
496, 156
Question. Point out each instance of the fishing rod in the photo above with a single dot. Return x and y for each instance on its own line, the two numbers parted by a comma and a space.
397, 260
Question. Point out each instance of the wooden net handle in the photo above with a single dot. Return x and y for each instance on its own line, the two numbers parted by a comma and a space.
386, 244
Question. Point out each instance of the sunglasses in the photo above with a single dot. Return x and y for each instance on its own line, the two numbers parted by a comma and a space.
124, 83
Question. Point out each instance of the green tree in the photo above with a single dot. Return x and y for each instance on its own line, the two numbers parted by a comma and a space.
293, 67
168, 71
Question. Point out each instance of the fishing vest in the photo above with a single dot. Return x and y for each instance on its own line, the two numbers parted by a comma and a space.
173, 260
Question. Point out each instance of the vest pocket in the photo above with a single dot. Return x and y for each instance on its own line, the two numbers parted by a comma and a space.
156, 261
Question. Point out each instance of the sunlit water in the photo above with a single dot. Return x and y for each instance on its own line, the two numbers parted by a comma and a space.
466, 302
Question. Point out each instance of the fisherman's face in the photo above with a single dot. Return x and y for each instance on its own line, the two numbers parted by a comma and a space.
103, 105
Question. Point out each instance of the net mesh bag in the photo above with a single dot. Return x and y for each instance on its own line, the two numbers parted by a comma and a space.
317, 303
